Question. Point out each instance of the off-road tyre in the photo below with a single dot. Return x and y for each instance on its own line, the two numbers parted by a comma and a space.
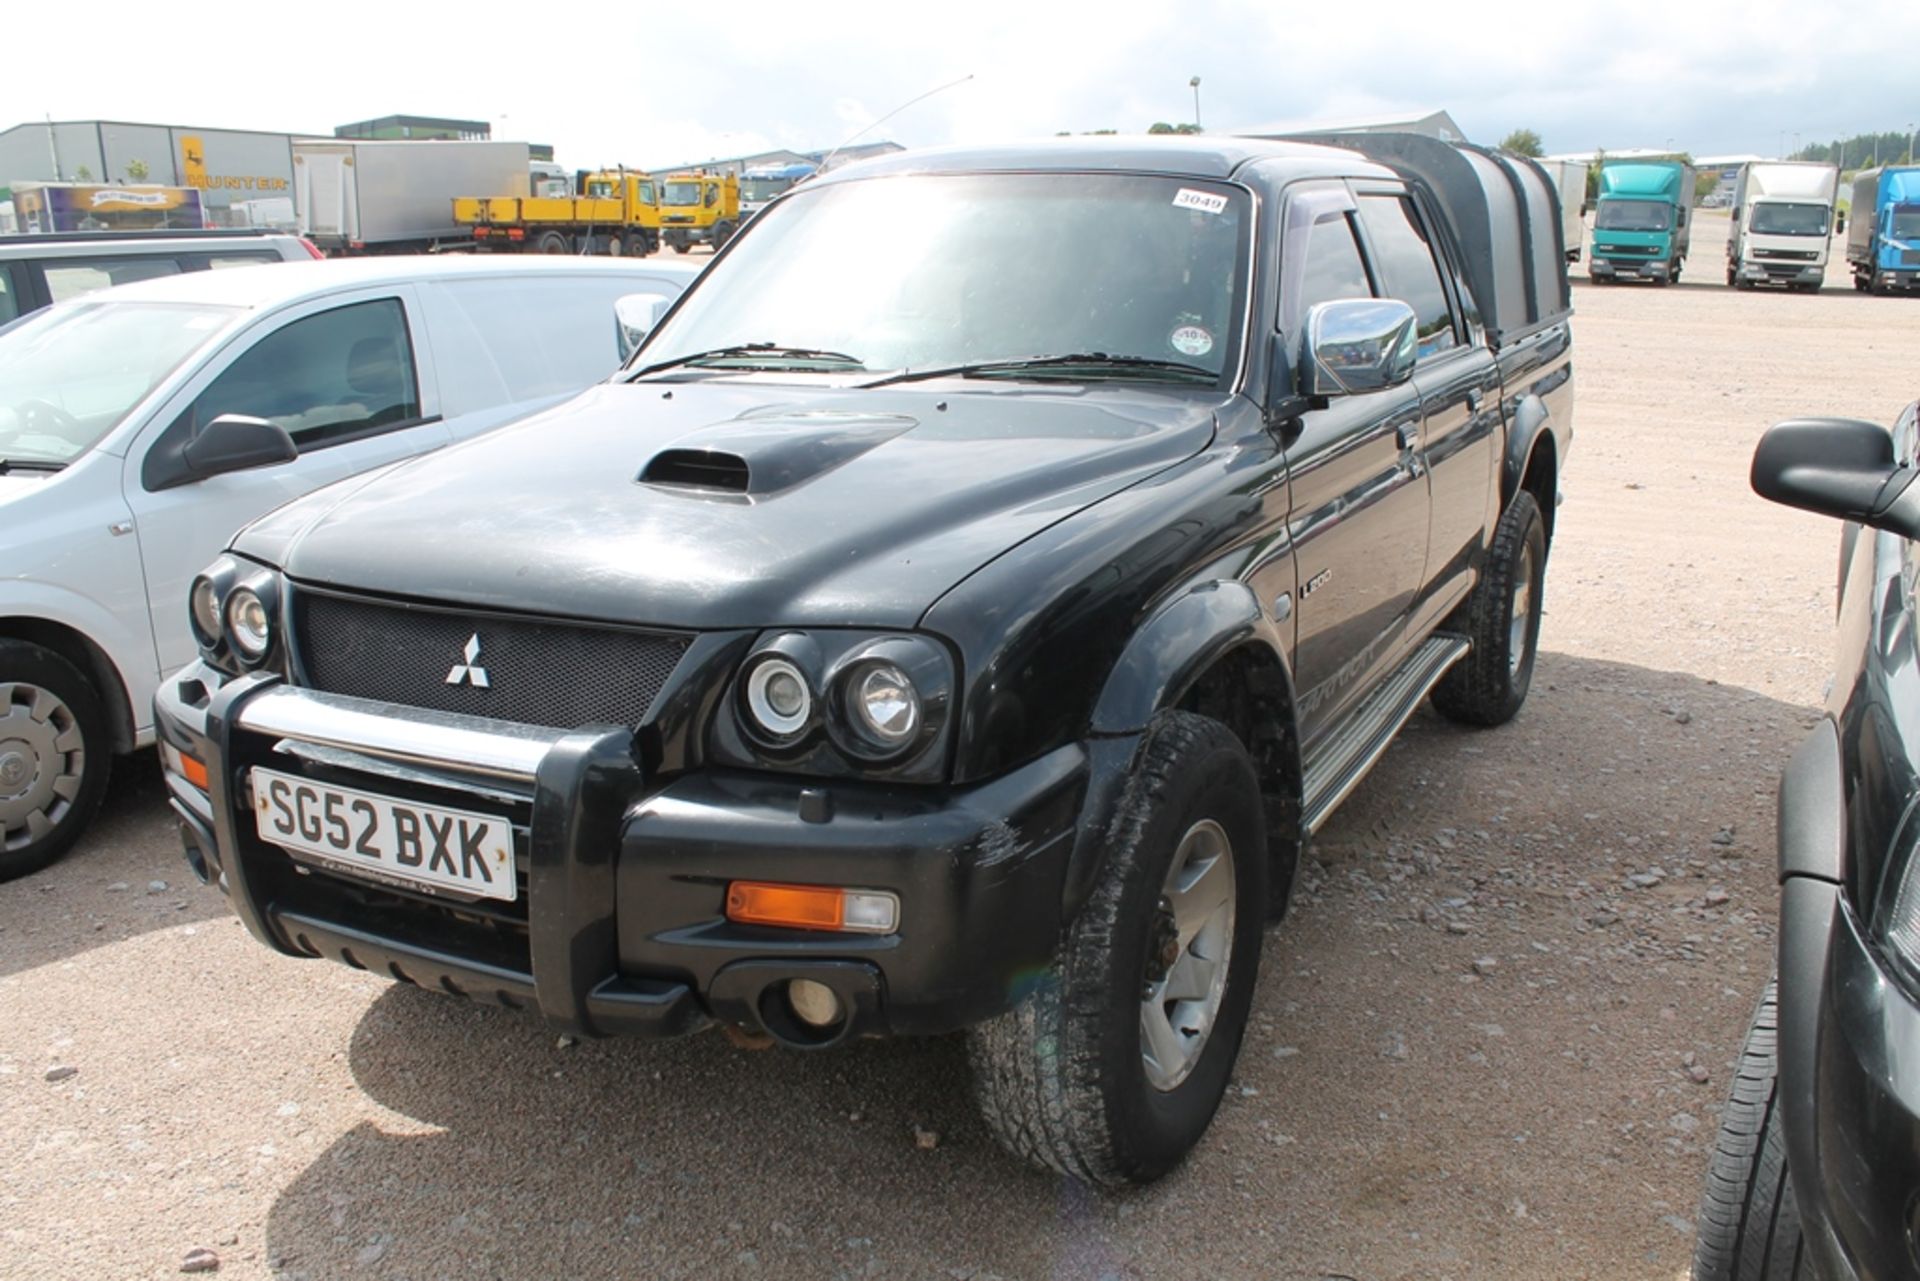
1749, 1227
38, 685
1060, 1078
1488, 686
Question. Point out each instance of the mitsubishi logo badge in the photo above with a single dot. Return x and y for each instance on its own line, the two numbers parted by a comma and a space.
470, 672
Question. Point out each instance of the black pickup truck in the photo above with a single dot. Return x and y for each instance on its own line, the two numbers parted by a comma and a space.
958, 614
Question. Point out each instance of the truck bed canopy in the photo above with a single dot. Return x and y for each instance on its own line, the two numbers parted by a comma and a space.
1505, 216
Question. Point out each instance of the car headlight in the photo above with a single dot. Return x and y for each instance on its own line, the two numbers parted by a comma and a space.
249, 626
840, 703
885, 705
779, 702
232, 608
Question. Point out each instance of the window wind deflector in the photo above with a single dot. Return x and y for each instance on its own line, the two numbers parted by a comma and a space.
1084, 359
756, 351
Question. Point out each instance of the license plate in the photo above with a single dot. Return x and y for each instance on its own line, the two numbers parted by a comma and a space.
386, 838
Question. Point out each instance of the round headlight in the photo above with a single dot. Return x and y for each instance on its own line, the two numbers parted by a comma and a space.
778, 698
885, 705
203, 604
248, 626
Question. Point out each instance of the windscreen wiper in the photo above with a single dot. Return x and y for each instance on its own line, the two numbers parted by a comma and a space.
1092, 359
774, 350
29, 464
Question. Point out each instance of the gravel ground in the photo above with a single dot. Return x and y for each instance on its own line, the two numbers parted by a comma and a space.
1491, 1042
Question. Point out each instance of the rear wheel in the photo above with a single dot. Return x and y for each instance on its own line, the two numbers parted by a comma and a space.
553, 242
1749, 1220
1502, 620
53, 756
1111, 1069
616, 246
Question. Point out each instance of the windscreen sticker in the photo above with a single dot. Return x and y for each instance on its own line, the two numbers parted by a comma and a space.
1204, 201
1191, 340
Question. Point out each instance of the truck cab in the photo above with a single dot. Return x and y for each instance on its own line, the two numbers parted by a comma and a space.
1640, 223
1883, 235
762, 184
699, 209
1782, 217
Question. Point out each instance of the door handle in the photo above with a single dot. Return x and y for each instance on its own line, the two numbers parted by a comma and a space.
1473, 400
1408, 436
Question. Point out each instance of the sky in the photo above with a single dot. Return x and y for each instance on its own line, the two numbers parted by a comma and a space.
695, 82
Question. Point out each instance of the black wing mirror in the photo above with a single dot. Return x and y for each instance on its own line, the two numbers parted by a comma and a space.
1838, 467
236, 442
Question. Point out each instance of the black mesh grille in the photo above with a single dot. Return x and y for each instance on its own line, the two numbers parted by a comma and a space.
554, 674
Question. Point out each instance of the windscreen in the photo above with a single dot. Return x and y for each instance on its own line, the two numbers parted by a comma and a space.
935, 270
1633, 215
681, 193
759, 190
1771, 218
69, 374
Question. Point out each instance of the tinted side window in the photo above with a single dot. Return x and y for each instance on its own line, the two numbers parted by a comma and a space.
338, 373
1406, 266
11, 304
1333, 268
70, 277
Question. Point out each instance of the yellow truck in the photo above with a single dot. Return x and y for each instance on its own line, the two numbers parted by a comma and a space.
699, 209
615, 211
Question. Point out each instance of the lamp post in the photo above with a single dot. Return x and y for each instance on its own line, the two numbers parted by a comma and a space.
1911, 135
1194, 84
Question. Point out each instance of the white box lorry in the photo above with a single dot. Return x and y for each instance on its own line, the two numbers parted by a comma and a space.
1570, 180
367, 197
1782, 222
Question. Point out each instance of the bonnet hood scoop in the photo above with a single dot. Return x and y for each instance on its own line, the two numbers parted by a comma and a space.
767, 454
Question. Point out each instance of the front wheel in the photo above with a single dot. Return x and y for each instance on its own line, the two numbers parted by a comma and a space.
1111, 1069
1502, 620
53, 756
1749, 1219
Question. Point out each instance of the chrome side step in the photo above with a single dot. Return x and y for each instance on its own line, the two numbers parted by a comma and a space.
1338, 765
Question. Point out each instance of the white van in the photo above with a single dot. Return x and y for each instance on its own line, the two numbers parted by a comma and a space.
141, 426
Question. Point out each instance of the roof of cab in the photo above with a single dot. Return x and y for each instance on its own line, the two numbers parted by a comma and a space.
274, 284
1180, 155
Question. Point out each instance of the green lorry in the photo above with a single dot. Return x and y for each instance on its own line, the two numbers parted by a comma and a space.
1640, 223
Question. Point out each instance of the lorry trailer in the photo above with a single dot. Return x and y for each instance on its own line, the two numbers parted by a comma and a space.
1570, 180
396, 197
1782, 218
1640, 229
1883, 229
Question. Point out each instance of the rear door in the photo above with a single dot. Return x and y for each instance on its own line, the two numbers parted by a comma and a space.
344, 375
1458, 383
1359, 503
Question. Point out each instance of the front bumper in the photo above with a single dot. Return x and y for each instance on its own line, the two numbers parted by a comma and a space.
1849, 1090
619, 925
1767, 272
1628, 268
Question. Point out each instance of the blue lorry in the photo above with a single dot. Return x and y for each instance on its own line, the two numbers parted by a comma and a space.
1883, 229
1640, 223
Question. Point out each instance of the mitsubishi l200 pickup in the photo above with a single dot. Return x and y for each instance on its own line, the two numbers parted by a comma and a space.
958, 614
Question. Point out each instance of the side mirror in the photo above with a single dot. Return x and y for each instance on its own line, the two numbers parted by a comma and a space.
1358, 345
235, 442
634, 316
1838, 467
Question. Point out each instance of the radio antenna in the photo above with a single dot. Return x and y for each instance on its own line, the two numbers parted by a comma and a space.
890, 115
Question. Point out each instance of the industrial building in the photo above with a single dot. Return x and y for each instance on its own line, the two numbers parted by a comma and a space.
736, 165
231, 168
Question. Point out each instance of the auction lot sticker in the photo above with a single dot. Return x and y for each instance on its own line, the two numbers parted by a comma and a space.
1204, 201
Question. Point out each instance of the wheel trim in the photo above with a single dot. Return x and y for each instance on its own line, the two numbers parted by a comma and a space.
1519, 630
1181, 1001
42, 760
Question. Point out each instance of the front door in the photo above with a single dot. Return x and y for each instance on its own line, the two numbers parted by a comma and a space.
342, 377
1359, 501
